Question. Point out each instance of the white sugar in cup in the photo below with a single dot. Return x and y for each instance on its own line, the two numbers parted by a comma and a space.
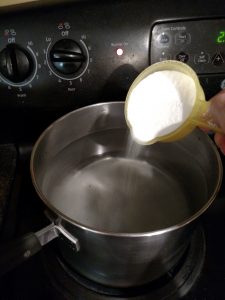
165, 103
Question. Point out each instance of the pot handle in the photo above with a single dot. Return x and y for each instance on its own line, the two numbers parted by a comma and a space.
13, 253
17, 251
52, 231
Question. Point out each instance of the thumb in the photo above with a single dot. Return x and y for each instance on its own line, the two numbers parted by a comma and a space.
217, 109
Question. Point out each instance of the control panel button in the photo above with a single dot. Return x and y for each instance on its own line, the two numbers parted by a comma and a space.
218, 59
222, 84
163, 38
201, 58
182, 56
164, 56
182, 38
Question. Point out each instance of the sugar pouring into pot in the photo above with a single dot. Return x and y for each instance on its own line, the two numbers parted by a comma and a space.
165, 103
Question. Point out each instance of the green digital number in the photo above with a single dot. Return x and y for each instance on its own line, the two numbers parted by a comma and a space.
221, 37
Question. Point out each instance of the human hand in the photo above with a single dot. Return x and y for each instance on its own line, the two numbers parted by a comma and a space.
217, 112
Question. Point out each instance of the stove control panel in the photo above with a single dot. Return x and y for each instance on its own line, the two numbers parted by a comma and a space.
59, 57
64, 56
199, 43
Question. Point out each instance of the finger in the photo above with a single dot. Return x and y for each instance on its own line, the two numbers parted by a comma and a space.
220, 141
217, 109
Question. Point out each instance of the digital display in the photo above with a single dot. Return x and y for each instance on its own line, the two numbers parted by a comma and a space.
220, 39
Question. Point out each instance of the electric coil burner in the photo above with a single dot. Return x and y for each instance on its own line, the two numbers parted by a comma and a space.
174, 284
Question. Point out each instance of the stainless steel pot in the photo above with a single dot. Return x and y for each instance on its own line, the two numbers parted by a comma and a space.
130, 210
131, 207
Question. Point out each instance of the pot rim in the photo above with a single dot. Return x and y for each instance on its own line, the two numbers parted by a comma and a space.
121, 234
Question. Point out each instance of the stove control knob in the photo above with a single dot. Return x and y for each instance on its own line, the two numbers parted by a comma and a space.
16, 63
67, 57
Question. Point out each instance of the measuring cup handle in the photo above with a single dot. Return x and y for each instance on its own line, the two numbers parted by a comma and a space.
203, 118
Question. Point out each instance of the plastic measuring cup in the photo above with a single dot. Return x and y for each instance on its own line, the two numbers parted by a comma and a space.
198, 117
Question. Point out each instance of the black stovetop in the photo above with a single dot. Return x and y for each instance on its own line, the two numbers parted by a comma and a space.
46, 276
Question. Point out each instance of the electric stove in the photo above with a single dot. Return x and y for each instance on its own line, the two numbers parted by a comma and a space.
58, 56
